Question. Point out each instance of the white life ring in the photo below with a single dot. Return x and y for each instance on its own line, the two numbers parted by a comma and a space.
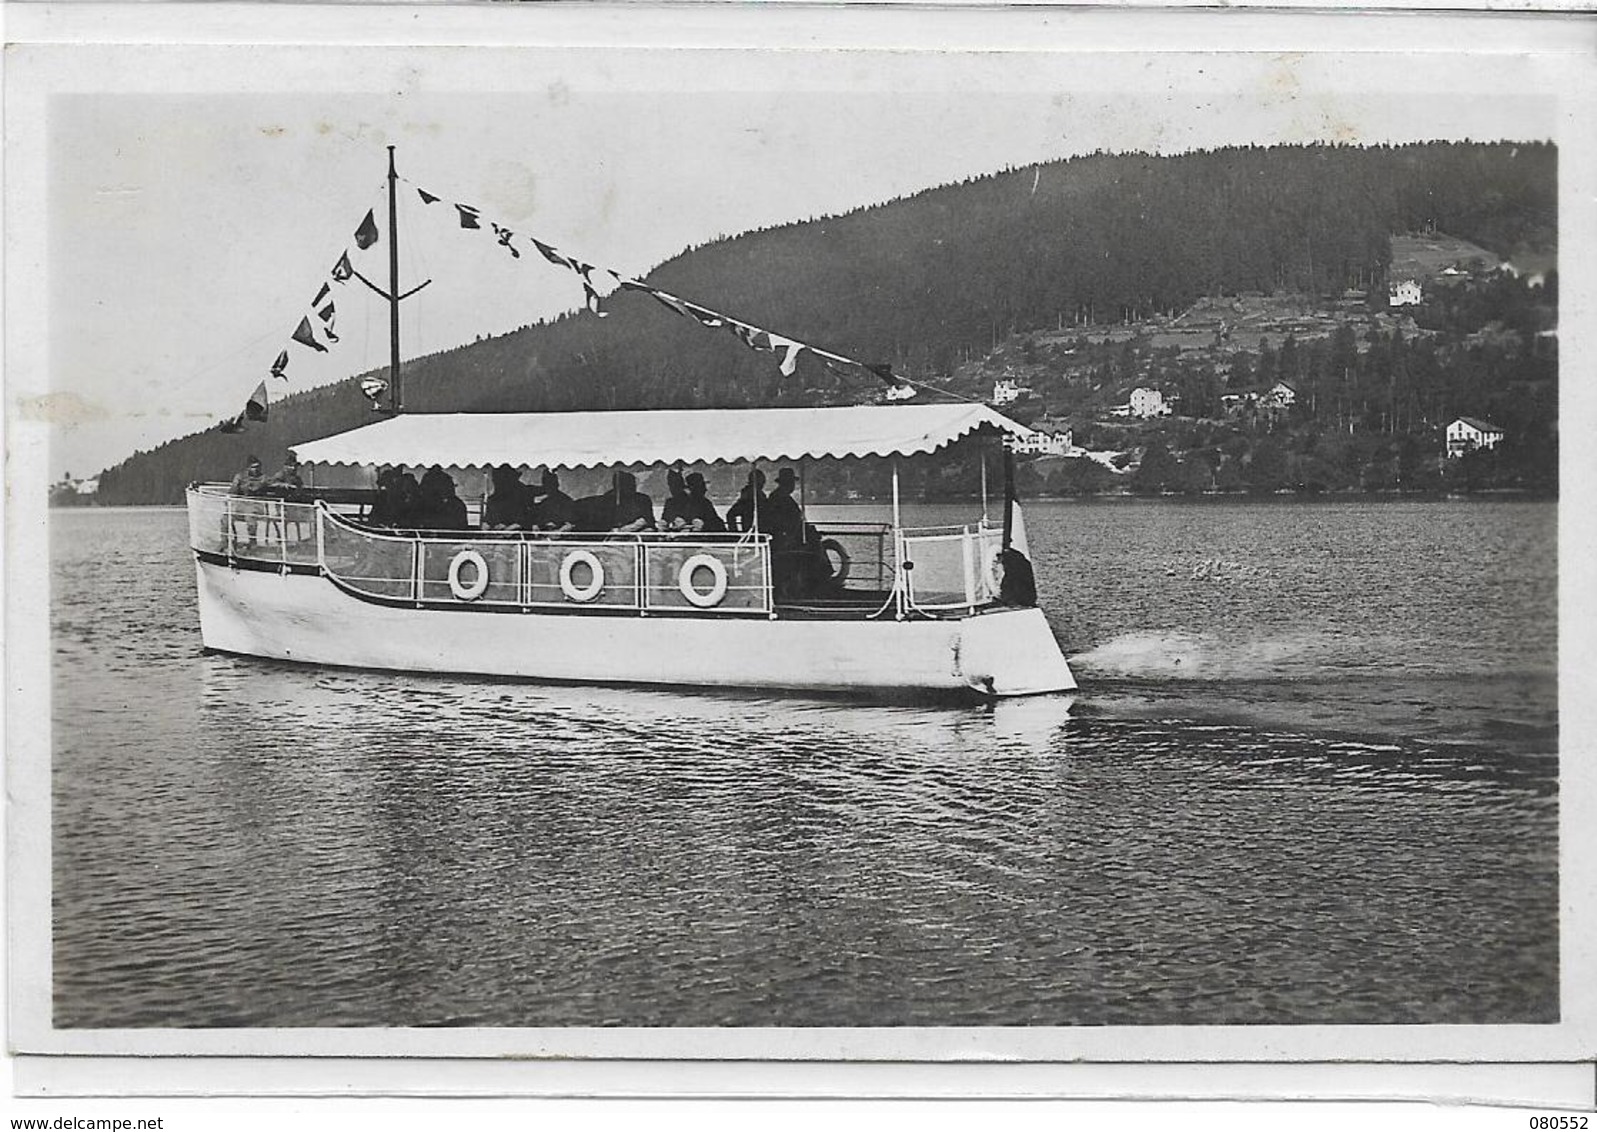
704, 599
990, 568
570, 588
479, 584
829, 547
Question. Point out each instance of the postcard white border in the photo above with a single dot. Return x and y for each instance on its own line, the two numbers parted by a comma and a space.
1564, 67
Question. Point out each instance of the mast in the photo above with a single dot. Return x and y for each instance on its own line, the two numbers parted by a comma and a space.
396, 402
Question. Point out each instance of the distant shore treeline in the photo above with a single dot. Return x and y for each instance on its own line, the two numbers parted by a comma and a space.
939, 278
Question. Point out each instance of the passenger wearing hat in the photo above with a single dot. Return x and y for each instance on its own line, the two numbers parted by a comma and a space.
634, 511
783, 519
288, 478
553, 510
385, 510
677, 515
748, 513
506, 506
249, 481
703, 515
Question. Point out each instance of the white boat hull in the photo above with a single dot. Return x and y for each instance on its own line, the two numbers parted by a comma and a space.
304, 617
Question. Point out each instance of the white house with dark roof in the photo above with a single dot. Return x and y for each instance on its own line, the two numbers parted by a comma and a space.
1465, 434
1278, 396
1407, 293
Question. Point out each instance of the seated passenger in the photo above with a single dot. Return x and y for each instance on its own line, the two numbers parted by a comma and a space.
386, 506
704, 515
554, 510
634, 511
408, 505
441, 509
678, 512
506, 506
745, 514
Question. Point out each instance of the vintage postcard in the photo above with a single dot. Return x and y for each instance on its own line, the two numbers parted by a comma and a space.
794, 536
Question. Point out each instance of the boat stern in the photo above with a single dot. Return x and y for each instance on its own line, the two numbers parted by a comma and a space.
1012, 652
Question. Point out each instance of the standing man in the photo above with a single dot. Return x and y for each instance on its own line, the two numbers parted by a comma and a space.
250, 481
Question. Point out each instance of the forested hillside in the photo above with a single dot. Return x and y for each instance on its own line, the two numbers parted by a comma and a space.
932, 281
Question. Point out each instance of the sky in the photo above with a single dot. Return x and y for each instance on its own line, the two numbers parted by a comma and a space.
195, 198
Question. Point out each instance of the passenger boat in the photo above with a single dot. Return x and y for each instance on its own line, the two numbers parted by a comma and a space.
872, 607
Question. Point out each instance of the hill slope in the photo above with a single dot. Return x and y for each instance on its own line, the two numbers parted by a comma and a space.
933, 280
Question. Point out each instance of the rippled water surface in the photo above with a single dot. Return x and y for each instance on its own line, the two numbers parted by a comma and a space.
1310, 777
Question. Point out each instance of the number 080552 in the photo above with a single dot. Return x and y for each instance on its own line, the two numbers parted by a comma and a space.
1576, 1123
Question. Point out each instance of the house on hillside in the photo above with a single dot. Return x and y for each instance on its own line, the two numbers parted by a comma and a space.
1147, 402
1408, 293
1007, 391
1278, 397
1041, 443
1466, 434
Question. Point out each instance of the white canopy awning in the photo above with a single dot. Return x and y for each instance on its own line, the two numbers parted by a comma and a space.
655, 436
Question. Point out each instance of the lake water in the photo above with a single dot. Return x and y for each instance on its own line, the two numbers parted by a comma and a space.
1310, 777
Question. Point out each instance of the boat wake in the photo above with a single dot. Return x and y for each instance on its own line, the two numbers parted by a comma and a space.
1200, 657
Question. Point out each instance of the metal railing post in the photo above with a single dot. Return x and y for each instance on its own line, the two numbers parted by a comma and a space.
970, 570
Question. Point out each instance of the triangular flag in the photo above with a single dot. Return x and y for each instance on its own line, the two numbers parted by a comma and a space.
883, 371
255, 408
790, 352
280, 365
426, 197
326, 315
320, 295
366, 234
468, 216
504, 235
305, 336
552, 255
234, 425
342, 270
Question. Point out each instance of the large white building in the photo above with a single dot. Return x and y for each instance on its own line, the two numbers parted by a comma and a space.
1466, 434
1007, 392
1148, 402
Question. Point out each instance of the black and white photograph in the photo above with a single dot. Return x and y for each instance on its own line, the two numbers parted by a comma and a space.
808, 550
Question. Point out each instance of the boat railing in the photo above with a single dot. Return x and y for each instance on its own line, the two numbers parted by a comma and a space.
640, 572
949, 567
259, 527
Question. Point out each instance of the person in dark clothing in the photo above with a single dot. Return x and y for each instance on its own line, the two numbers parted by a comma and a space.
747, 513
781, 517
677, 515
506, 507
634, 511
783, 520
441, 508
1019, 584
702, 513
385, 506
554, 510
408, 503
